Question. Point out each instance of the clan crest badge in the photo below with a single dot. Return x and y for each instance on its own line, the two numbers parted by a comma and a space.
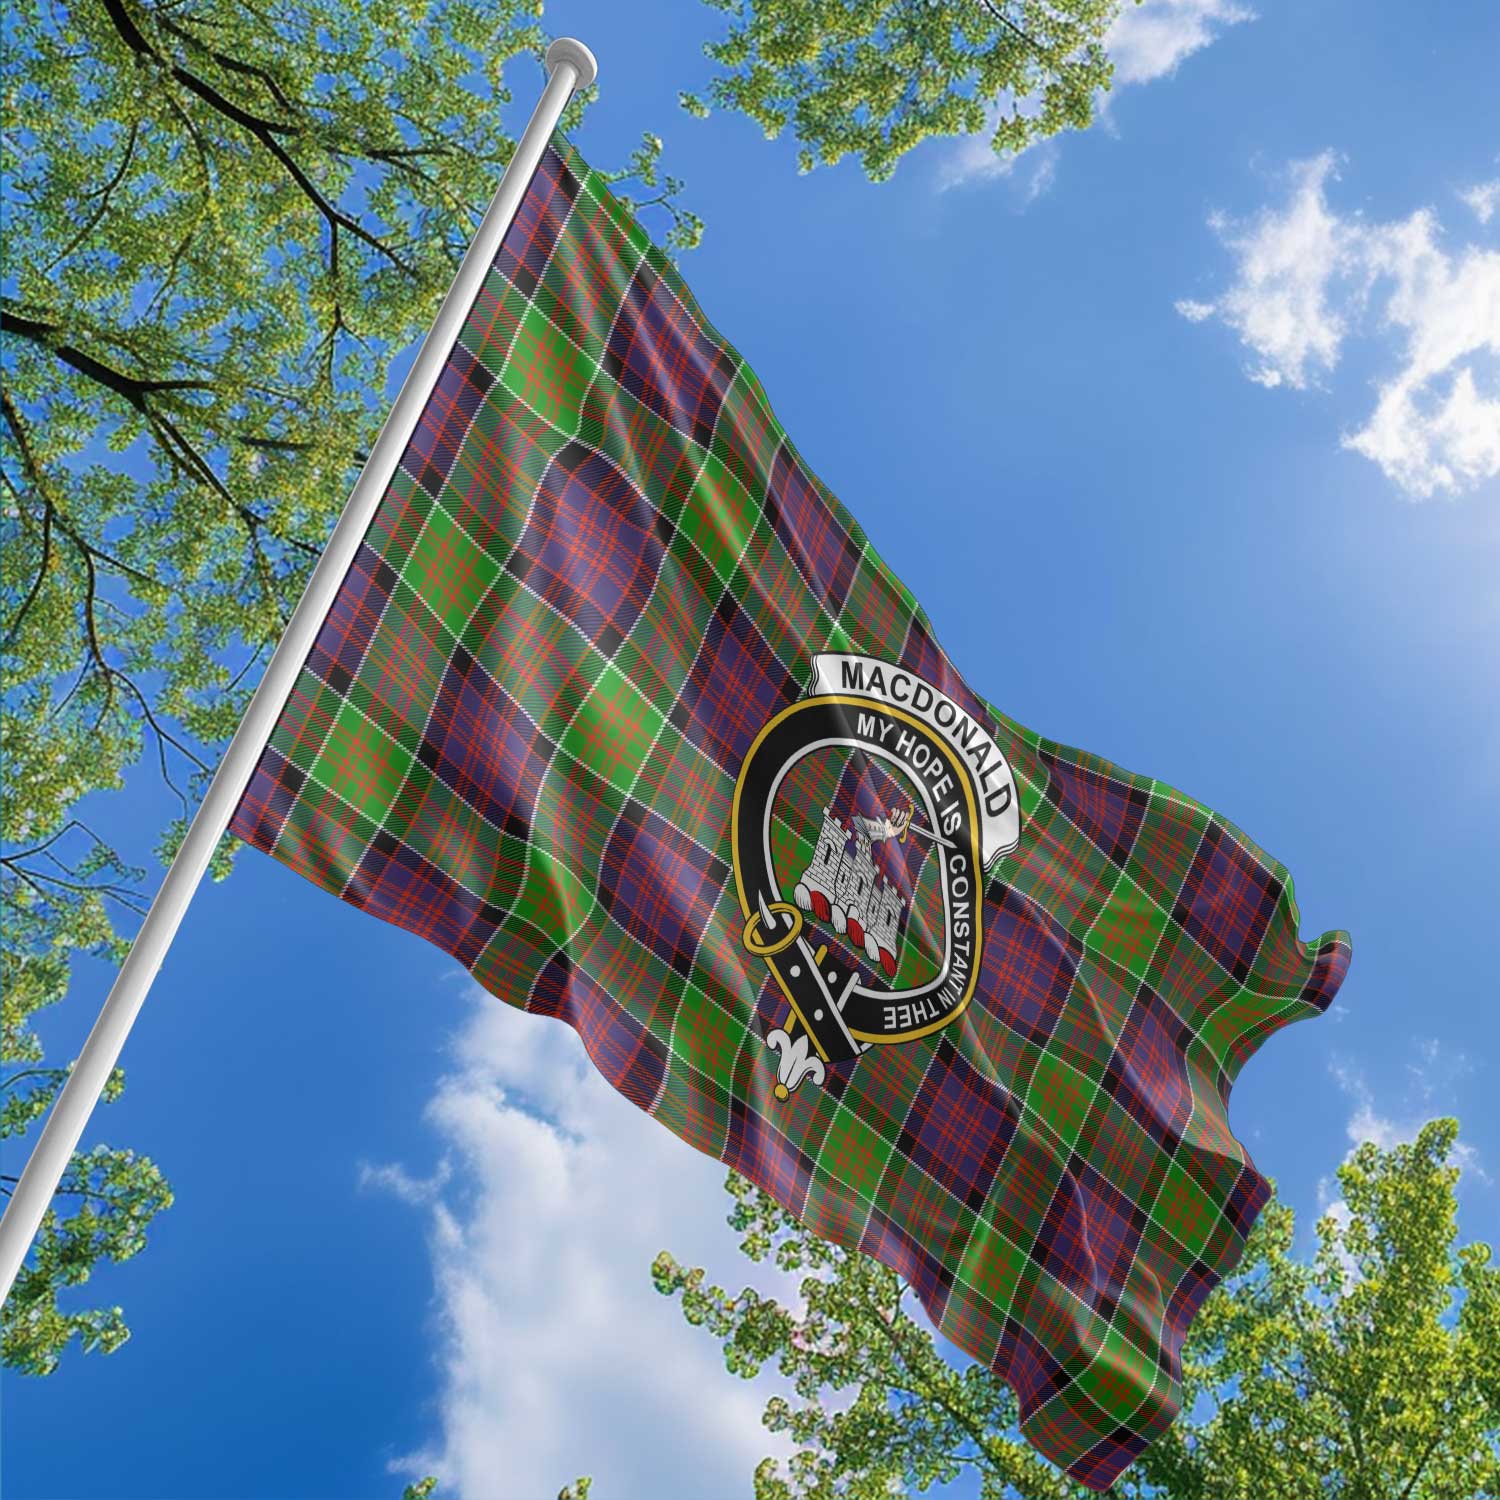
866, 816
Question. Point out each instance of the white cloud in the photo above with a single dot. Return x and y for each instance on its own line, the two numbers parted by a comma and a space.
1151, 40
1433, 1091
1146, 42
1306, 277
1437, 1072
1484, 199
1282, 303
557, 1356
394, 1179
1194, 312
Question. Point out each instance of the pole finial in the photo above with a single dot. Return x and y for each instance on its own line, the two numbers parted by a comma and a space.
567, 49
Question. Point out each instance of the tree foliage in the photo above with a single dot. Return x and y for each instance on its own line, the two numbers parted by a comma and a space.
223, 222
874, 78
1370, 1371
423, 1489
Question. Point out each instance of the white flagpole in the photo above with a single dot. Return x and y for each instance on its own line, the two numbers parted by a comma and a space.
570, 66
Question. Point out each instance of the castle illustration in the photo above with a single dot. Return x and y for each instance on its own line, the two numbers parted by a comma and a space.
847, 890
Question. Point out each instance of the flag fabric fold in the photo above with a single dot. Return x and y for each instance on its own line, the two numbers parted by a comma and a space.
619, 708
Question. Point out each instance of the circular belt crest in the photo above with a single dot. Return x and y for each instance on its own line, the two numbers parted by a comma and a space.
834, 942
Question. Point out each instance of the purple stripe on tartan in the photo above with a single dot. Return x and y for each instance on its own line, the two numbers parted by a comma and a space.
757, 1150
1251, 1194
539, 220
345, 634
1027, 967
1329, 969
395, 883
810, 531
922, 655
1228, 900
481, 743
892, 1245
659, 354
659, 885
1189, 1295
1109, 812
268, 800
1101, 1466
591, 547
1090, 1235
960, 1129
1147, 1074
463, 385
737, 685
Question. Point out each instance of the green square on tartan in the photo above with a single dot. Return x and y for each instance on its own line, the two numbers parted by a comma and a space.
338, 842
614, 729
1128, 928
552, 900
1092, 1020
1111, 1136
303, 726
1061, 1098
663, 645
1167, 843
548, 372
718, 519
567, 294
449, 570
853, 1153
707, 1037
453, 836
399, 679
1222, 1028
1115, 1377
682, 776
993, 1265
493, 321
362, 764
539, 659
1069, 884
1182, 1210
877, 600
695, 1107
747, 435
631, 243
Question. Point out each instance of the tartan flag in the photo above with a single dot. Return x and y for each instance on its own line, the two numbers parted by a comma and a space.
618, 707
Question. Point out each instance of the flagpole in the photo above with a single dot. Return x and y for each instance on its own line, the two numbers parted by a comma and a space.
570, 66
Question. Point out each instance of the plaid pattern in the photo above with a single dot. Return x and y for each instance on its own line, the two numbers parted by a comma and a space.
599, 570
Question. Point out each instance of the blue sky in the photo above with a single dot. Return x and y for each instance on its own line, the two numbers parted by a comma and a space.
1187, 433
